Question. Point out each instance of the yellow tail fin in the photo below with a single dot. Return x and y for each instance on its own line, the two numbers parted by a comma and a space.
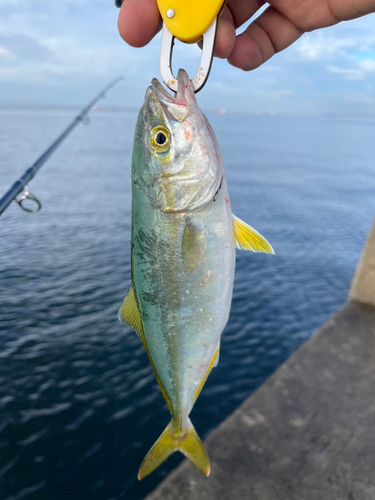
190, 445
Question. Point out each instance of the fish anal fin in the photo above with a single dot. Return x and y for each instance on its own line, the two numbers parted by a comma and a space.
193, 245
216, 357
188, 443
247, 238
213, 363
130, 315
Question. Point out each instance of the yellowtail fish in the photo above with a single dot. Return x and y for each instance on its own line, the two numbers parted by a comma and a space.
184, 237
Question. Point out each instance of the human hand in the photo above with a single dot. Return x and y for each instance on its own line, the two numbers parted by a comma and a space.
281, 24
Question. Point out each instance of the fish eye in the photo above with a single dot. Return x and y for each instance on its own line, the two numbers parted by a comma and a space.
160, 139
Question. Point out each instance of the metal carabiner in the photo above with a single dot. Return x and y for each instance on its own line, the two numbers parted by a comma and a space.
26, 195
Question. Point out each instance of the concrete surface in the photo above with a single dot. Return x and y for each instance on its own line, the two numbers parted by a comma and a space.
363, 285
308, 433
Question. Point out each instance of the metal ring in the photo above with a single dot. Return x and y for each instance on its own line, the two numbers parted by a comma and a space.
26, 195
85, 120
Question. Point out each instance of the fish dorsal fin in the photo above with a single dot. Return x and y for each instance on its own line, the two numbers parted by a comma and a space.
129, 313
247, 238
193, 245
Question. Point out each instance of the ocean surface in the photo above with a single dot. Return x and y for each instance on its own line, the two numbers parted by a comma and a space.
79, 404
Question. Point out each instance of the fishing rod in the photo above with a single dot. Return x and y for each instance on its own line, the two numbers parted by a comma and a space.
21, 185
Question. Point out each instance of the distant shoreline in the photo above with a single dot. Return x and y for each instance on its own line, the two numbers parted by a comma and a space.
122, 109
52, 107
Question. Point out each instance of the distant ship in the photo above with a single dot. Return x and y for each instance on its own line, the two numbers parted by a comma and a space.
221, 111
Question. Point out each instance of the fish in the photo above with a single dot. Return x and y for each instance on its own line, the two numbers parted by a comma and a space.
183, 241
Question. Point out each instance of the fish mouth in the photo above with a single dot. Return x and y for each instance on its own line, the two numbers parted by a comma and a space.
176, 106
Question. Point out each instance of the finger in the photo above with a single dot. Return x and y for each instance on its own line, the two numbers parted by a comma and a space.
242, 10
270, 33
139, 21
225, 35
345, 11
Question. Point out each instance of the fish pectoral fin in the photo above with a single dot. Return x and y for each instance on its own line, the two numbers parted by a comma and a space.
247, 238
193, 245
129, 313
189, 444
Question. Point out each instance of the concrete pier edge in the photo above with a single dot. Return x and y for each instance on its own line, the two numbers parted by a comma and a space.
363, 285
308, 433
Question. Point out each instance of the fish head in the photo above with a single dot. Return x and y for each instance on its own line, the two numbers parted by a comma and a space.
176, 157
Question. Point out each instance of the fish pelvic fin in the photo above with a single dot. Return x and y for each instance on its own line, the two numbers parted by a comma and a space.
247, 238
187, 443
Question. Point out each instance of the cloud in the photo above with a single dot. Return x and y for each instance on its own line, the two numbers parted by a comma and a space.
343, 41
319, 46
20, 47
66, 58
348, 73
359, 71
279, 94
367, 64
5, 53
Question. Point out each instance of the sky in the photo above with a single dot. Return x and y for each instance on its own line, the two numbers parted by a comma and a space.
62, 52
